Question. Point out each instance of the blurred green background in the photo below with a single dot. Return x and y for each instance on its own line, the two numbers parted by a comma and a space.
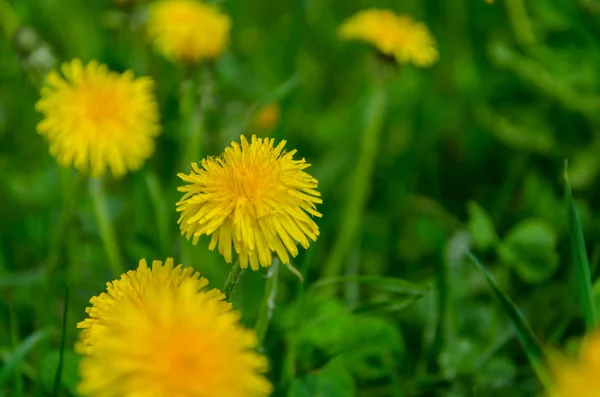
470, 154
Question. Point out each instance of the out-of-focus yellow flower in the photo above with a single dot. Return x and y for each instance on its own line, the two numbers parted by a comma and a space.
160, 333
188, 30
254, 196
97, 120
397, 36
266, 118
132, 287
578, 377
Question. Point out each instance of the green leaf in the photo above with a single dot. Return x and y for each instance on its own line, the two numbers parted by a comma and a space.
530, 249
481, 226
522, 328
333, 380
369, 345
20, 352
580, 258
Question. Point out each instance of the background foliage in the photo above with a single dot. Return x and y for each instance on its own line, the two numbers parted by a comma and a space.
470, 154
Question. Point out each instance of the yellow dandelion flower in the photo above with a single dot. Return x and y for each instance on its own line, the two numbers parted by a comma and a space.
266, 118
165, 337
132, 287
393, 35
96, 120
188, 30
578, 377
256, 196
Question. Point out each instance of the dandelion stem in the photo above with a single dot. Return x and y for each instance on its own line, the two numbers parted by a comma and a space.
268, 304
71, 191
63, 338
8, 19
232, 279
192, 110
107, 232
352, 214
517, 14
160, 209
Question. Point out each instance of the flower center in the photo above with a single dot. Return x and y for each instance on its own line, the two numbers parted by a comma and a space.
252, 181
102, 107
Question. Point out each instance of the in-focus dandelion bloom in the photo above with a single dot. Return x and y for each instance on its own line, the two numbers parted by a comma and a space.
397, 36
159, 333
188, 30
97, 120
256, 197
578, 377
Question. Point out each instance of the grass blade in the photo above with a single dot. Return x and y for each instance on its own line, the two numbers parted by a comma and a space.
522, 328
63, 336
20, 352
390, 284
580, 258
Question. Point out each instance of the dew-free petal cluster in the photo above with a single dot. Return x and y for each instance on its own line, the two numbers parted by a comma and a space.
254, 199
393, 35
98, 120
188, 30
159, 333
580, 376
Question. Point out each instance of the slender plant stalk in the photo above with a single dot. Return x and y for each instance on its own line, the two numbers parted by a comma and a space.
107, 232
8, 19
232, 279
517, 13
352, 215
71, 195
63, 337
161, 211
14, 335
193, 107
268, 304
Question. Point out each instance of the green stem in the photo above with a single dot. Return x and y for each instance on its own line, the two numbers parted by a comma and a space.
63, 338
232, 279
14, 334
352, 215
517, 13
161, 212
268, 304
8, 19
192, 111
107, 232
71, 193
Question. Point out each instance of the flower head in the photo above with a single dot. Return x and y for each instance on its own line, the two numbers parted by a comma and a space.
159, 333
256, 197
133, 287
97, 120
393, 35
188, 30
578, 377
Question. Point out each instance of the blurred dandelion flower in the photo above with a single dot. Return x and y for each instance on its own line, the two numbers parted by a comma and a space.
578, 377
188, 30
164, 335
132, 287
266, 118
254, 196
96, 119
393, 35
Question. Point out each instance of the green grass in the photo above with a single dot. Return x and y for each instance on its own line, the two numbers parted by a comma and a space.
415, 167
